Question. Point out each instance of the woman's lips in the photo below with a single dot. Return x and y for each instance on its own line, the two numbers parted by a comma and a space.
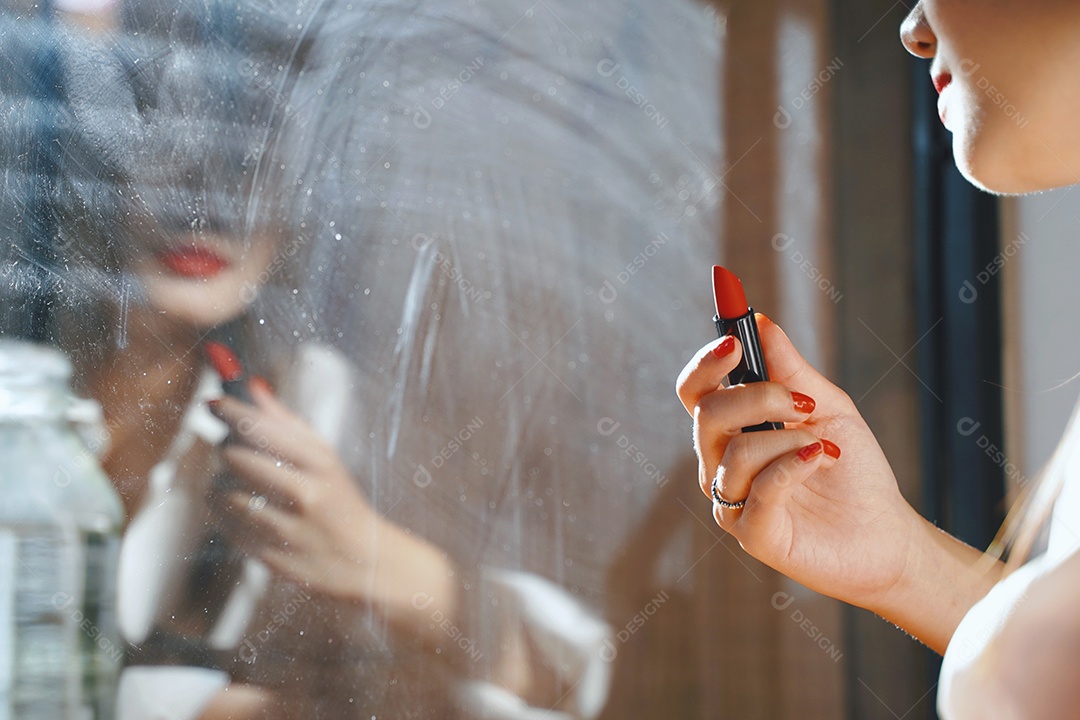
942, 81
193, 262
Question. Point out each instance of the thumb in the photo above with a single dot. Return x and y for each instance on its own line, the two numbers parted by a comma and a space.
787, 367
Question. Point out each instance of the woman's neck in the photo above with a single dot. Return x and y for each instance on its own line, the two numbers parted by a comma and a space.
144, 389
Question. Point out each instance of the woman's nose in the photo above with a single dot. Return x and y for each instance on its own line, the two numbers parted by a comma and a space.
916, 34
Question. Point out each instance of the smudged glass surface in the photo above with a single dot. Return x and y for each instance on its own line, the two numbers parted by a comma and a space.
465, 244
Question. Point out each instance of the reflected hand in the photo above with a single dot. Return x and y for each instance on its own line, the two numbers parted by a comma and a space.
837, 525
295, 506
244, 702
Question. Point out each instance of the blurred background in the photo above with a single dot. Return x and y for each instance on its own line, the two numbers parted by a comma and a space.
467, 245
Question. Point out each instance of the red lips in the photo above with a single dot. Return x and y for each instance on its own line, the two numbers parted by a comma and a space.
193, 262
941, 82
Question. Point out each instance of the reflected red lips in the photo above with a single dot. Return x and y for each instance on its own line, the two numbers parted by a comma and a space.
193, 262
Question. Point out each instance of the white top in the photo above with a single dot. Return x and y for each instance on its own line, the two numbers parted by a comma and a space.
157, 550
986, 619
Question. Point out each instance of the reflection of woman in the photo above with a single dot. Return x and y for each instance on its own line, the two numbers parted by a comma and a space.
180, 149
838, 524
333, 610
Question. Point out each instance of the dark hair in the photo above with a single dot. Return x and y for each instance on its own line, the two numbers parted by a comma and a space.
169, 120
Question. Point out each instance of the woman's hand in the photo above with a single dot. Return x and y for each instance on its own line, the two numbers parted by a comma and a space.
244, 702
294, 505
822, 504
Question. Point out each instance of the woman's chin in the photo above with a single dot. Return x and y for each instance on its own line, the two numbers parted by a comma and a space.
1019, 172
196, 308
1009, 184
988, 182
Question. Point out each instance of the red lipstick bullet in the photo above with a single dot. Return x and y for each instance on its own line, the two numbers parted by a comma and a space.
224, 360
234, 380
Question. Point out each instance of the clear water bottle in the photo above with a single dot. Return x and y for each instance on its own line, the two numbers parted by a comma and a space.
60, 522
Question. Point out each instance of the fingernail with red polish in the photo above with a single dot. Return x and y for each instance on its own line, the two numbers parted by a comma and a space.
831, 449
262, 384
725, 348
809, 452
803, 403
214, 405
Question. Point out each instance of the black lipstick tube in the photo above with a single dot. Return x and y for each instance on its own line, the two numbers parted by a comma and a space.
229, 336
751, 367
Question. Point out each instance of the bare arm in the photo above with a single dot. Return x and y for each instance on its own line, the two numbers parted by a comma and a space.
943, 580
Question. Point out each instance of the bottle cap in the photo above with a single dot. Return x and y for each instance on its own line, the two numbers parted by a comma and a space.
19, 359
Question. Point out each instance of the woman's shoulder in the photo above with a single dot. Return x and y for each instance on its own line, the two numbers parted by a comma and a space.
1017, 648
1026, 665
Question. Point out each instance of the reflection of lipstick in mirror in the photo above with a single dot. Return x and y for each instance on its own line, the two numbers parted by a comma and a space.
193, 262
735, 317
229, 368
219, 565
224, 361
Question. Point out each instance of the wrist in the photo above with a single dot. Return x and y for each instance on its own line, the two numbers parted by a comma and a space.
914, 547
415, 584
942, 578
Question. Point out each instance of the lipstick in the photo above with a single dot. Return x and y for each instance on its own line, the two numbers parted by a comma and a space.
234, 382
220, 563
735, 317
228, 366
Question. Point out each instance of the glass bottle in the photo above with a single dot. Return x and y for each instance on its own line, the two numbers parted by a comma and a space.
60, 524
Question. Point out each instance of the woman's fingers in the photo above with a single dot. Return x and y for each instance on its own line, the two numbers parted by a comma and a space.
260, 474
705, 373
748, 454
728, 410
787, 367
767, 482
722, 414
253, 523
707, 370
264, 398
272, 429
